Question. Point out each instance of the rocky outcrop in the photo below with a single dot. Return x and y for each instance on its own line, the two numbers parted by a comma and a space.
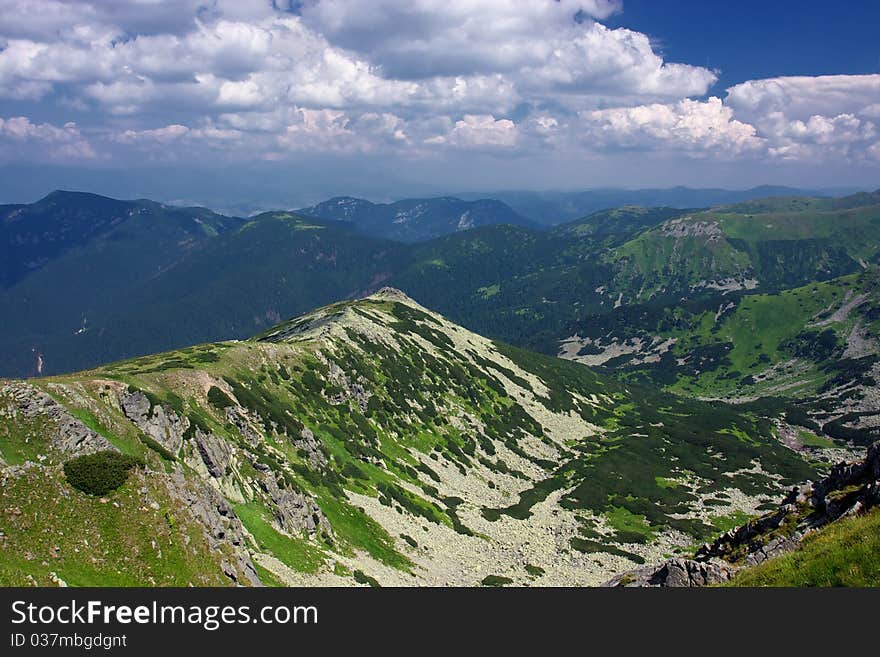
688, 227
239, 419
295, 512
849, 488
675, 573
68, 435
311, 447
159, 422
221, 526
215, 452
353, 391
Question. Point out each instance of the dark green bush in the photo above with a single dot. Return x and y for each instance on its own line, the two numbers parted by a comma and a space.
496, 580
218, 398
362, 578
101, 472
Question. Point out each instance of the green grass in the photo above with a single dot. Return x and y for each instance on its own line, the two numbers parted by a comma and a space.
23, 439
297, 553
845, 553
764, 330
629, 527
51, 527
125, 446
358, 530
729, 521
809, 439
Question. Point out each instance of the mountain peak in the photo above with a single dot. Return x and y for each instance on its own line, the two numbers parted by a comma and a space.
368, 315
393, 294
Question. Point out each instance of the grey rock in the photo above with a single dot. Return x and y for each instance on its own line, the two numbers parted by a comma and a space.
69, 435
774, 548
215, 452
295, 512
350, 390
238, 418
160, 423
312, 447
676, 572
221, 526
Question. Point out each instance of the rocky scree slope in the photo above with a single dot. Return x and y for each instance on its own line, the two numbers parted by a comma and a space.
369, 442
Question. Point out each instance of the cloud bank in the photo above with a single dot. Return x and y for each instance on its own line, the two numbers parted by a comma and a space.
250, 80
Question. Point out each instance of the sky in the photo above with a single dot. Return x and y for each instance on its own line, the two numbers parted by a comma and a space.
287, 102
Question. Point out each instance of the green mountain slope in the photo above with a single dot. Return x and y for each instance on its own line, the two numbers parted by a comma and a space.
34, 236
71, 258
822, 533
732, 250
280, 264
368, 441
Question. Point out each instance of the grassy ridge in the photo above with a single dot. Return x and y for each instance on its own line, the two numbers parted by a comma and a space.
845, 553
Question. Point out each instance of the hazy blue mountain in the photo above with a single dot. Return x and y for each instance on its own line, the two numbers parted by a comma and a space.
33, 235
554, 207
413, 220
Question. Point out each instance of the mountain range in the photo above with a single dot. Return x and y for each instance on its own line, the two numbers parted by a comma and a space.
553, 207
107, 292
496, 404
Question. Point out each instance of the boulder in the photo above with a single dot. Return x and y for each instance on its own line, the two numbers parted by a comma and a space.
295, 512
675, 572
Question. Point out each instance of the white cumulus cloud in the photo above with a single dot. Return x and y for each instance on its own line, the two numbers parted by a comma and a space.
698, 126
20, 138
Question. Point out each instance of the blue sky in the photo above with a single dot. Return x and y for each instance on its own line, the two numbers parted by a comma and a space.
245, 102
751, 39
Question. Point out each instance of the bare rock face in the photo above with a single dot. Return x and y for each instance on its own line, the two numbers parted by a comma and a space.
353, 391
295, 512
687, 227
222, 527
849, 489
312, 447
70, 435
675, 573
160, 423
215, 452
239, 419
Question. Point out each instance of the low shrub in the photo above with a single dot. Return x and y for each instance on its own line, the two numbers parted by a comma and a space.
101, 472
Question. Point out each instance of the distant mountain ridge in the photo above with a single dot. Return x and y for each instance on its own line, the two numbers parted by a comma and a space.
414, 220
614, 276
32, 235
549, 208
